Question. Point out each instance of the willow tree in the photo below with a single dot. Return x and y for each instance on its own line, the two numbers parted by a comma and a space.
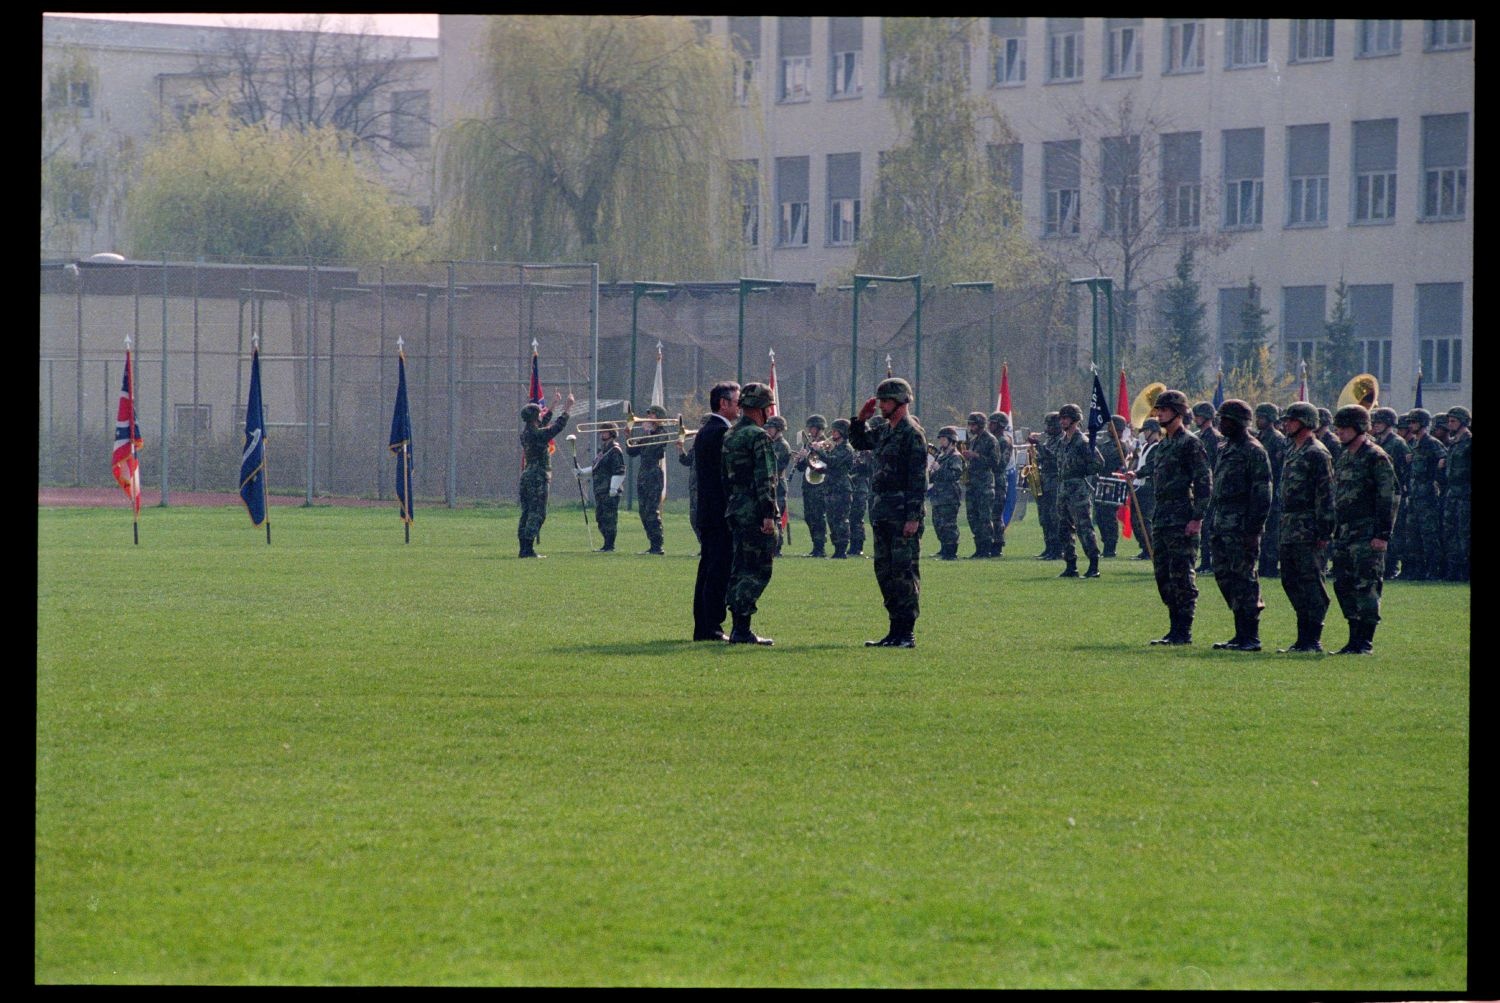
603, 139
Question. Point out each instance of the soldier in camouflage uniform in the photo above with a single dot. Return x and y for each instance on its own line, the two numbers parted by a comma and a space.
1113, 449
1460, 477
1004, 453
1385, 431
776, 431
980, 452
1364, 496
859, 500
1213, 441
838, 493
1241, 501
1307, 520
1145, 495
1077, 464
608, 473
1182, 483
945, 490
1423, 557
1324, 434
896, 513
537, 475
1046, 444
649, 481
814, 508
750, 487
1266, 416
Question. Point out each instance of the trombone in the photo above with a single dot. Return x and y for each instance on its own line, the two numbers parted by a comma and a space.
681, 436
627, 426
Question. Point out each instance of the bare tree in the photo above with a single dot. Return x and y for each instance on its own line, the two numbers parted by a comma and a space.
84, 160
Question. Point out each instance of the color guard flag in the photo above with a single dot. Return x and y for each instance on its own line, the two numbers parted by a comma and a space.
659, 398
1419, 386
127, 469
1003, 404
253, 457
536, 395
401, 440
1302, 387
1098, 411
1012, 473
1122, 408
771, 411
1219, 391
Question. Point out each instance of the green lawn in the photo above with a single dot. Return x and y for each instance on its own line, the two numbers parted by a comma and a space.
344, 760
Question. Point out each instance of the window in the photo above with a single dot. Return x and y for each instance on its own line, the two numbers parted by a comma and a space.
745, 179
1379, 38
1370, 307
1307, 175
744, 41
791, 195
1060, 170
1302, 327
1244, 160
1245, 41
1440, 331
1375, 171
843, 198
846, 44
1124, 38
184, 109
1064, 49
1184, 46
1312, 39
1008, 51
1445, 172
1120, 164
795, 47
1450, 34
410, 125
1182, 180
190, 418
81, 97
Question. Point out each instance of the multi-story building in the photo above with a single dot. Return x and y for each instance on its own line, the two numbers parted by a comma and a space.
108, 86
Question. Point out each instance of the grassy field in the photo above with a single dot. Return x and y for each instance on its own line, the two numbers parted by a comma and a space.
343, 760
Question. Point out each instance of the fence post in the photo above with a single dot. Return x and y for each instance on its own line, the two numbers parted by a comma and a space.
78, 419
311, 380
452, 486
162, 434
194, 465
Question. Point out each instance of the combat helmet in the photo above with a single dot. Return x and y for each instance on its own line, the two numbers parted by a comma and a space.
1304, 413
1352, 416
1420, 416
775, 421
1325, 417
1385, 416
1462, 414
976, 418
655, 411
1070, 411
1235, 410
894, 388
531, 412
841, 426
1001, 418
1203, 409
813, 420
1174, 399
757, 395
949, 432
1271, 412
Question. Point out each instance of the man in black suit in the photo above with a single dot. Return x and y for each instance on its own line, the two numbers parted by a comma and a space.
715, 541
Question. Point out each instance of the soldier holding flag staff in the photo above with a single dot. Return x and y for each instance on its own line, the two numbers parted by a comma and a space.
536, 434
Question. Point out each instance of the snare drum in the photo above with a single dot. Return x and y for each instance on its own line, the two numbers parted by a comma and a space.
1111, 491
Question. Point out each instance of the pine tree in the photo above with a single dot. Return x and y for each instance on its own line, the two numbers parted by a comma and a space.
1182, 349
1341, 354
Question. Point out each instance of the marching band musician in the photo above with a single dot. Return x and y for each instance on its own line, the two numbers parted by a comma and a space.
1145, 497
838, 456
1116, 456
649, 482
608, 473
814, 512
1004, 455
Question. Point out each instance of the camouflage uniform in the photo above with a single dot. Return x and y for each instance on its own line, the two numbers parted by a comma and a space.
979, 491
1004, 453
898, 488
1241, 501
1046, 505
1400, 454
1364, 491
1213, 441
750, 486
859, 500
783, 460
814, 508
944, 491
686, 459
1077, 463
610, 463
1423, 555
1145, 494
649, 484
1456, 508
837, 491
1181, 483
1275, 444
537, 474
1307, 519
1106, 517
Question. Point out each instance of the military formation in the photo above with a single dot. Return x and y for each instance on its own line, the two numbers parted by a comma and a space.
1361, 495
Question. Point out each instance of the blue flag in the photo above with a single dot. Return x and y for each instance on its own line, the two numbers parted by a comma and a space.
1098, 411
1011, 479
401, 441
253, 459
1219, 392
1419, 386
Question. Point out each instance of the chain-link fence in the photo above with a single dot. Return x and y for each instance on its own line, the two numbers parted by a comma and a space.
328, 335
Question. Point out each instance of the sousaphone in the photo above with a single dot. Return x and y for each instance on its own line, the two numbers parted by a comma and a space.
1140, 409
1363, 389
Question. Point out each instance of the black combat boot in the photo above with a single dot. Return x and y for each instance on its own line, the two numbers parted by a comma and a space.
1233, 643
1070, 570
527, 550
948, 552
609, 545
906, 636
742, 634
1367, 640
1249, 630
1301, 643
839, 553
1167, 638
1355, 644
1093, 571
889, 638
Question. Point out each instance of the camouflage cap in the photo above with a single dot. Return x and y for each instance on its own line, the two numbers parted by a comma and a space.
775, 421
1325, 416
813, 420
895, 389
531, 411
1203, 409
756, 395
1385, 416
1267, 410
1304, 413
1000, 418
1420, 416
1174, 399
1462, 414
1235, 410
1352, 416
841, 426
976, 418
1150, 425
655, 411
1070, 411
949, 432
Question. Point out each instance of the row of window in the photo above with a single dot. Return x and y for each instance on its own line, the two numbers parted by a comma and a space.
1438, 327
1246, 44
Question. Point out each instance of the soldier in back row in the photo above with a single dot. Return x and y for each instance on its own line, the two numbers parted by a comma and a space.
814, 506
1182, 483
838, 455
945, 490
1203, 428
1114, 449
1266, 416
1241, 501
537, 434
650, 480
1385, 430
776, 431
1044, 445
999, 425
1459, 475
1423, 557
1324, 434
859, 499
1077, 464
979, 452
1307, 524
608, 479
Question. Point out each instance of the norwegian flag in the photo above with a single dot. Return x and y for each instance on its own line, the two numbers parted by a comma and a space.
126, 467
771, 411
1003, 403
536, 395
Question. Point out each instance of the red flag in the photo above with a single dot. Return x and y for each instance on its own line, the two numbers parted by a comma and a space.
1302, 388
771, 411
126, 467
1122, 408
1004, 402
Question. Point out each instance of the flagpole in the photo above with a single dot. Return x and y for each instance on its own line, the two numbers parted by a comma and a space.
406, 479
135, 502
265, 459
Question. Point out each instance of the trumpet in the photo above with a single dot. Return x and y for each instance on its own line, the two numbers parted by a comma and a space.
816, 470
627, 426
681, 436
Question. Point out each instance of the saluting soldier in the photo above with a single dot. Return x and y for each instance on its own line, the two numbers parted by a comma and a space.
1203, 427
947, 471
1364, 495
814, 507
1182, 483
1266, 416
1114, 450
1459, 474
980, 454
608, 474
1005, 452
649, 482
1046, 443
1307, 523
536, 433
1077, 463
1423, 560
750, 484
1385, 430
837, 491
1241, 501
896, 512
775, 427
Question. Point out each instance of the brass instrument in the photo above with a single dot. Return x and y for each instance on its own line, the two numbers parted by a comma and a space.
1363, 389
1032, 474
627, 426
816, 470
681, 436
1140, 409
